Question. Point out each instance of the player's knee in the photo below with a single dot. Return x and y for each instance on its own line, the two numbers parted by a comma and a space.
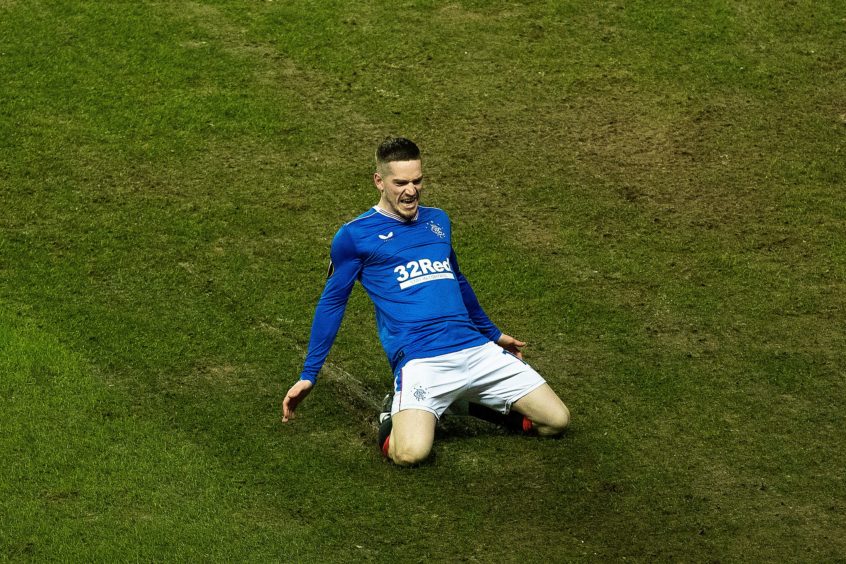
409, 455
556, 424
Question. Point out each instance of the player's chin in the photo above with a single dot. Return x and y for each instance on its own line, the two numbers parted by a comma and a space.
408, 212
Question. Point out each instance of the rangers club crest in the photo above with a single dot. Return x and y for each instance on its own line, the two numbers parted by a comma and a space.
437, 229
419, 392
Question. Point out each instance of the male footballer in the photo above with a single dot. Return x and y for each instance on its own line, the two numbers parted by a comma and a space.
440, 344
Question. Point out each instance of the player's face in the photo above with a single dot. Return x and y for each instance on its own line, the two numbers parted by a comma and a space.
400, 183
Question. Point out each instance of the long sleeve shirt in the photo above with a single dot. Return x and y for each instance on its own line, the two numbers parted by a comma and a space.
424, 305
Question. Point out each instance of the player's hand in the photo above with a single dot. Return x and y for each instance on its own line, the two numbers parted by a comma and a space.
295, 395
512, 345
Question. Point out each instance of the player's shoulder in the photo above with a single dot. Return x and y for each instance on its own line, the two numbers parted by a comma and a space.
362, 219
363, 225
430, 213
350, 237
371, 213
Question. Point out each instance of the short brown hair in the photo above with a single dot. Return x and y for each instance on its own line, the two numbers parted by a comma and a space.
397, 149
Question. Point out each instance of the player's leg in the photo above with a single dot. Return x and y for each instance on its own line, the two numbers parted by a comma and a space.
547, 413
513, 420
424, 388
511, 393
412, 435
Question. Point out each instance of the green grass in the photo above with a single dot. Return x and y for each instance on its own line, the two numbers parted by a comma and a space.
90, 476
648, 193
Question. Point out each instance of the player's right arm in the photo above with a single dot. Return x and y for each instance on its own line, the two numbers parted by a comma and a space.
344, 269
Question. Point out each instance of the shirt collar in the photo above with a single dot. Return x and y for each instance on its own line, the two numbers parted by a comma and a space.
395, 216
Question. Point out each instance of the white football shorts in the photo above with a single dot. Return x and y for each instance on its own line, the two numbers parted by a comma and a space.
487, 375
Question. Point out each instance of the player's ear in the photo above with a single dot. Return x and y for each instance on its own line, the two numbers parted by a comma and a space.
377, 180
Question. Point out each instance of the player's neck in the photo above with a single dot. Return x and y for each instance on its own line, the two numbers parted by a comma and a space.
385, 209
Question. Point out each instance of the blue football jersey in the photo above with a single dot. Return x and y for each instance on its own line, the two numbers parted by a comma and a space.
424, 305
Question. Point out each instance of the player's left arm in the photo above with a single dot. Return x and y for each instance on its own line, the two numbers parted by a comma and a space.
480, 319
511, 344
477, 314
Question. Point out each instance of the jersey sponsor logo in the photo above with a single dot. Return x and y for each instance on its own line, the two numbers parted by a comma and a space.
386, 237
423, 270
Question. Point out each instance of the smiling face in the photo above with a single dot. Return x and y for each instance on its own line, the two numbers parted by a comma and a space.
400, 183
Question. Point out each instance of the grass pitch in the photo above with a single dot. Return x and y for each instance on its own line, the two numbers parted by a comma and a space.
648, 193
